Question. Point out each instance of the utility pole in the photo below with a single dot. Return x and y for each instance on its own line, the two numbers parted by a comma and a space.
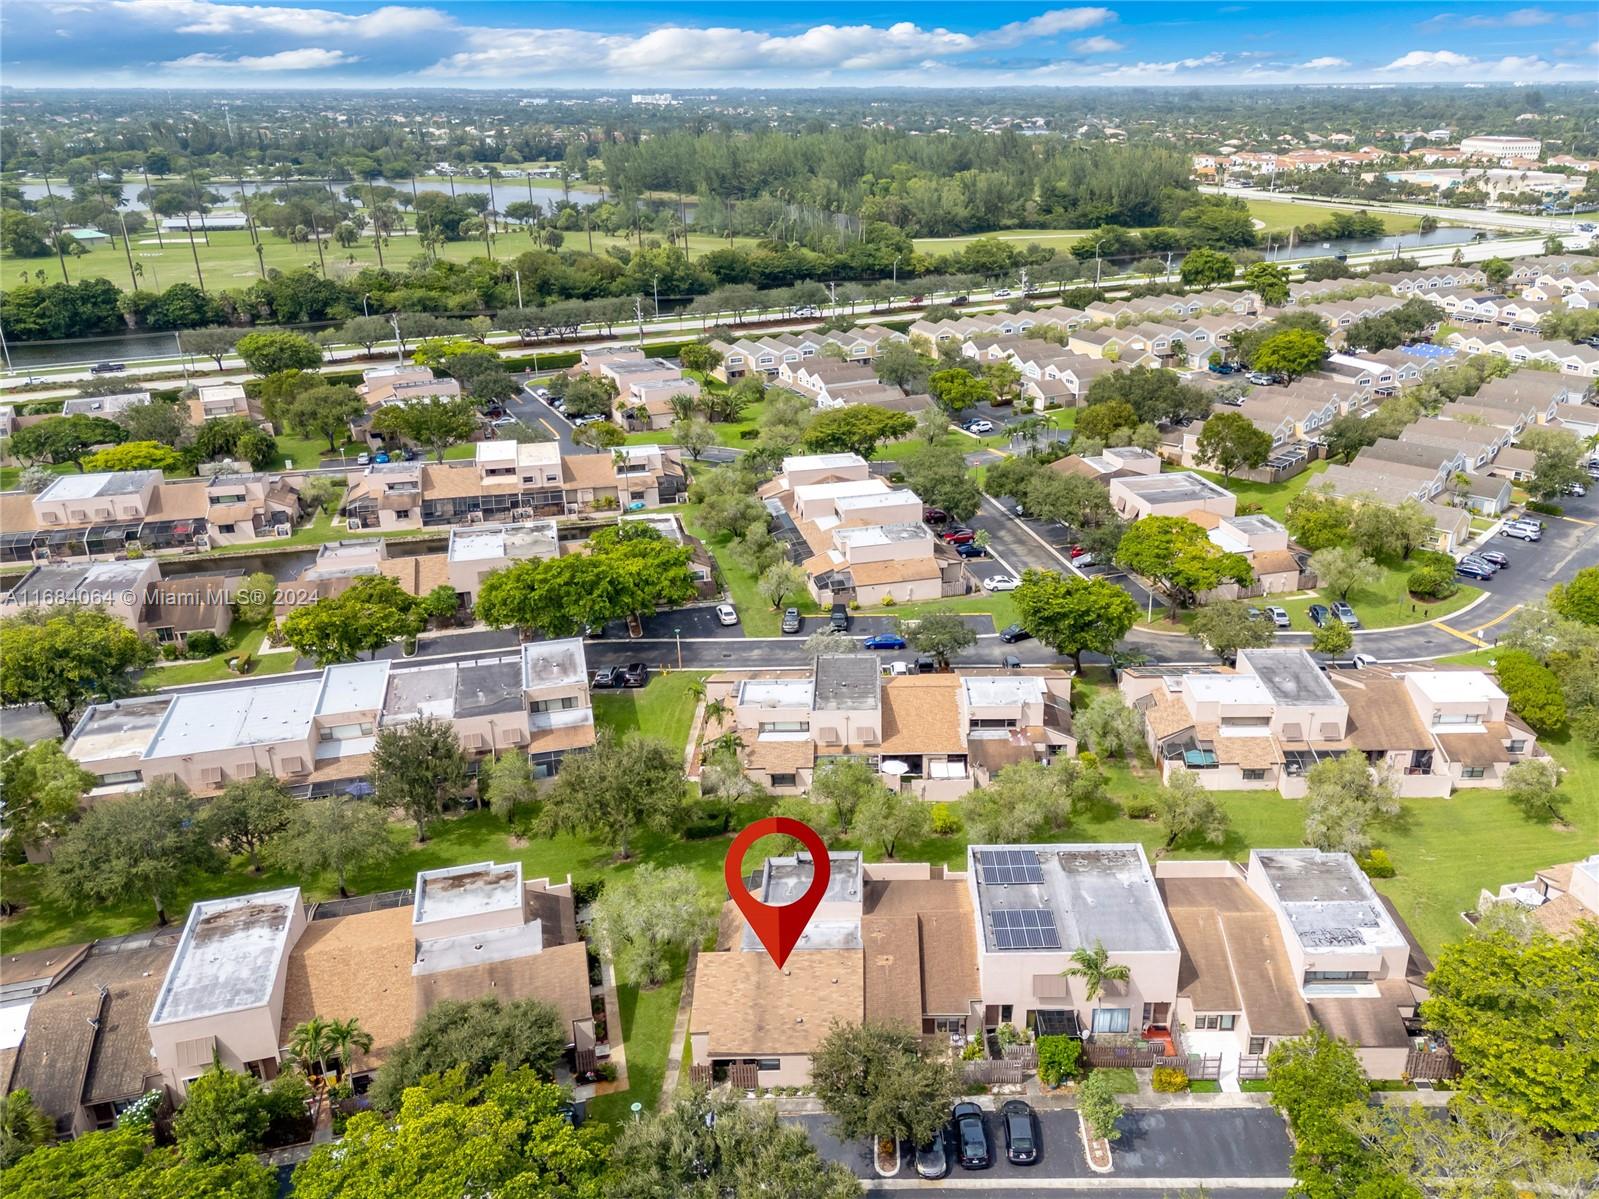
655, 284
55, 230
399, 343
149, 203
316, 235
518, 288
128, 250
5, 350
1097, 244
638, 314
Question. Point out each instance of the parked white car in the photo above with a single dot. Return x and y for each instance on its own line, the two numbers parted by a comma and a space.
727, 614
1001, 583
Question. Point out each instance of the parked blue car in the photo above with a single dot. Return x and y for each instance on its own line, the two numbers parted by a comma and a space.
885, 641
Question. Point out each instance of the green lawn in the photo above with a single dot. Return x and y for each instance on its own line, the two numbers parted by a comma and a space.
1385, 605
1122, 1080
246, 638
1204, 1086
757, 616
664, 709
1001, 607
1280, 216
1272, 498
647, 1019
307, 452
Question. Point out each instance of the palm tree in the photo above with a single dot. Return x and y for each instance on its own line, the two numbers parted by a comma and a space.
1094, 967
344, 1036
716, 712
729, 743
310, 1044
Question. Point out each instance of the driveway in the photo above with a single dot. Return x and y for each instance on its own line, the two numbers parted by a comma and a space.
1227, 1143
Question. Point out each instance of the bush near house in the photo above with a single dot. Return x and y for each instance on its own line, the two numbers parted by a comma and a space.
1169, 1080
1059, 1058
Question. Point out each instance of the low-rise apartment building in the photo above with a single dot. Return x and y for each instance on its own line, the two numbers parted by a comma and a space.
1173, 494
1558, 898
1265, 724
316, 734
934, 735
135, 593
215, 401
512, 482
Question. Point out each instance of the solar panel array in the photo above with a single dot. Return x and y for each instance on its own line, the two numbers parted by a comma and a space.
1002, 866
1025, 928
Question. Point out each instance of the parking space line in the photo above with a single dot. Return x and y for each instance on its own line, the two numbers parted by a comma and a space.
1577, 521
1477, 641
1505, 615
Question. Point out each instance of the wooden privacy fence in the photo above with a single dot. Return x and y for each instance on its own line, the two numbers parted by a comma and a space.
1431, 1067
1252, 1067
993, 1073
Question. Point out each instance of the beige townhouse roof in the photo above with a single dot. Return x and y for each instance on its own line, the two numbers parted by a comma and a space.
903, 570
750, 1008
558, 975
921, 714
1381, 715
418, 575
354, 966
784, 755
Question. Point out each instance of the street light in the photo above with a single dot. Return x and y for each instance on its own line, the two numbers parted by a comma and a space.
678, 633
364, 297
1097, 244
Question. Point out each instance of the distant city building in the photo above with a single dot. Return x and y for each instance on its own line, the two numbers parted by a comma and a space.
1495, 145
655, 99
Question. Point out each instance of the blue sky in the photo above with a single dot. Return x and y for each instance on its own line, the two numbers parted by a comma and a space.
707, 45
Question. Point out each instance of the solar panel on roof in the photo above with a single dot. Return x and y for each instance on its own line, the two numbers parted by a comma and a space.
1025, 928
1005, 866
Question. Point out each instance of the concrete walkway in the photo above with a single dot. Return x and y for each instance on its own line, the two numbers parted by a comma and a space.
674, 1055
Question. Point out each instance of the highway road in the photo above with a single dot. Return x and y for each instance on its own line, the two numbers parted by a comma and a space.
1460, 216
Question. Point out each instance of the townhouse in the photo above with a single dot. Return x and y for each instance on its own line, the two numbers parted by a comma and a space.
109, 406
1112, 463
935, 736
1293, 938
1175, 494
118, 511
512, 482
833, 384
133, 591
1340, 314
1429, 279
1559, 898
1264, 724
1569, 358
765, 356
108, 1022
216, 401
1540, 393
316, 733
856, 536
1389, 484
1437, 467
1278, 567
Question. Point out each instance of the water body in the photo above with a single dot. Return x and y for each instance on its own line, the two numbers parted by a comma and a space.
1400, 243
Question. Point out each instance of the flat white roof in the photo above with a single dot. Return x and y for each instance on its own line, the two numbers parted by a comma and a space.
1453, 686
120, 729
467, 891
880, 499
1228, 689
1328, 900
881, 534
1002, 690
776, 693
553, 663
199, 722
86, 487
821, 461
841, 490
481, 543
229, 956
496, 451
353, 687
210, 393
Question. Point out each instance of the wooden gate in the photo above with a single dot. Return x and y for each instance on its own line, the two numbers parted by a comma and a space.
1423, 1066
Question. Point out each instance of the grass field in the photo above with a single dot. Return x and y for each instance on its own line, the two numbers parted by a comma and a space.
247, 639
230, 262
1273, 498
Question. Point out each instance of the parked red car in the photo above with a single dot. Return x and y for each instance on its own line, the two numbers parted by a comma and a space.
957, 536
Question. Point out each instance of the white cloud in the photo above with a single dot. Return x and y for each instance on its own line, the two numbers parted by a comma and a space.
1447, 66
1327, 63
308, 59
1096, 45
205, 17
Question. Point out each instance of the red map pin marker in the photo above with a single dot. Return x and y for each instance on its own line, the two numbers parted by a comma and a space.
778, 926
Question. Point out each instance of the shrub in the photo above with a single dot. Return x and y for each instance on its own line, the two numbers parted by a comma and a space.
889, 601
1433, 582
1546, 508
946, 821
1138, 809
172, 650
1169, 1080
1059, 1058
1533, 689
973, 1051
1377, 864
205, 643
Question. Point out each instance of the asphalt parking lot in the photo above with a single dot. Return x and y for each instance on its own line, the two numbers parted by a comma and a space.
1163, 1143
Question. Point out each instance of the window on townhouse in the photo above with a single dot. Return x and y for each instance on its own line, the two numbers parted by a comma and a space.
1219, 1023
785, 780
1254, 776
118, 777
1112, 1019
1336, 976
1516, 747
992, 723
564, 703
1257, 1045
768, 1063
785, 726
1442, 718
345, 732
1473, 772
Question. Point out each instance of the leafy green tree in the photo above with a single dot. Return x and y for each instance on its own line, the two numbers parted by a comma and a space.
1028, 801
1517, 1018
63, 439
1344, 798
269, 351
372, 612
1578, 597
1317, 519
135, 455
1268, 281
943, 633
256, 597
1072, 615
856, 428
1188, 812
1103, 422
842, 786
1098, 1105
419, 766
889, 817
1229, 441
957, 389
781, 582
620, 788
1340, 569
939, 475
224, 1115
1109, 727
1293, 352
248, 814
455, 1135
1532, 689
1498, 270
506, 783
651, 915
42, 789
1227, 627
701, 358
125, 1161
339, 834
141, 846
1156, 395
1317, 1084
1179, 558
877, 1080
326, 412
695, 436
215, 342
433, 422
1096, 969
1207, 268
1333, 638
23, 1127
478, 1036
704, 1147
1557, 458
1347, 435
1533, 785
898, 364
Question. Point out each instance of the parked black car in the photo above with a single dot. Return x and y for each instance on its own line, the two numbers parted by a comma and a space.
1021, 1132
1012, 633
971, 1137
839, 621
971, 551
635, 674
1319, 615
926, 664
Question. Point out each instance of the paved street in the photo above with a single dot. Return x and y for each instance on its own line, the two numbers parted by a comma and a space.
1229, 1143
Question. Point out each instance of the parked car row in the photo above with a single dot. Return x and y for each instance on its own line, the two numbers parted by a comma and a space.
634, 674
1481, 564
1523, 528
965, 1139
